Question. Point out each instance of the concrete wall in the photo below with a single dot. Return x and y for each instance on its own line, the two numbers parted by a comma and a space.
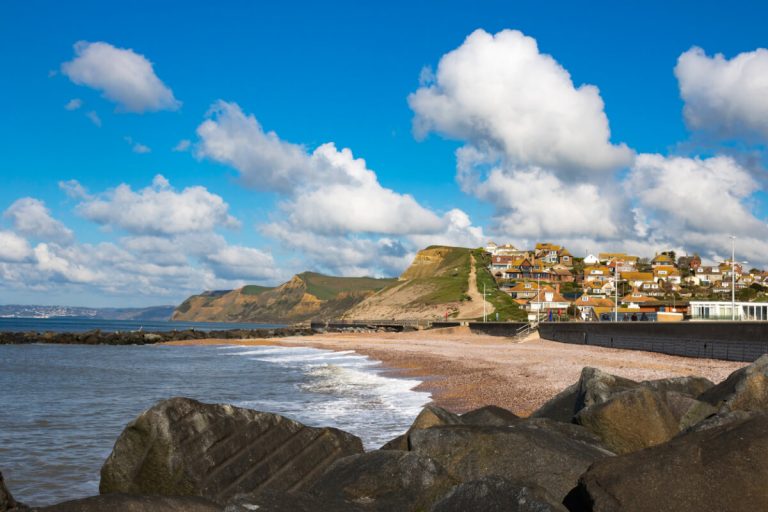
732, 341
497, 328
440, 325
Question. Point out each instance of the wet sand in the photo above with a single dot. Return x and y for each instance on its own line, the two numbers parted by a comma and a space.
464, 370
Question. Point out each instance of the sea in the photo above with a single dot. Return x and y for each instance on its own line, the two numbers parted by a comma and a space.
63, 406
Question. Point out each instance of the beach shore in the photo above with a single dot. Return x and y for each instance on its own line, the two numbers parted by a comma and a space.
464, 371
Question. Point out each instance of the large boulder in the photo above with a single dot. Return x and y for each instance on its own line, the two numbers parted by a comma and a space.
490, 416
687, 410
594, 387
746, 389
722, 468
430, 416
524, 453
494, 494
691, 385
129, 503
181, 447
630, 420
7, 503
385, 480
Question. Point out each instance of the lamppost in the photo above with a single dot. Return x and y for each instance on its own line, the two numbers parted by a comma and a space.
616, 293
484, 314
733, 277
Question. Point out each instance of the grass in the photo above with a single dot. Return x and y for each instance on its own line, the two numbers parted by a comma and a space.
253, 289
329, 287
450, 280
505, 306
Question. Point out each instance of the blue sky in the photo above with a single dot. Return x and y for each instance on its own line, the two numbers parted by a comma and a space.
556, 123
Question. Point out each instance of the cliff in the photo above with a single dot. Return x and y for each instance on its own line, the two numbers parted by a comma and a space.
305, 297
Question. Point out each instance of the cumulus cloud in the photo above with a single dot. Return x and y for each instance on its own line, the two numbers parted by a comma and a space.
696, 204
327, 195
500, 94
183, 145
13, 248
122, 75
725, 97
537, 147
158, 209
238, 262
31, 217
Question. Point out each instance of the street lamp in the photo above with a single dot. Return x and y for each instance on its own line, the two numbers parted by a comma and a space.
616, 293
733, 277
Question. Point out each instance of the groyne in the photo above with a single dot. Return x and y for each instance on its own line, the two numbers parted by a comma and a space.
730, 341
98, 337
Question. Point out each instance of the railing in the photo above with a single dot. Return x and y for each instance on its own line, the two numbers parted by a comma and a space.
407, 322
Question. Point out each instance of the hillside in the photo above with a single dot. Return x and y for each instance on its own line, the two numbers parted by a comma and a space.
441, 281
306, 296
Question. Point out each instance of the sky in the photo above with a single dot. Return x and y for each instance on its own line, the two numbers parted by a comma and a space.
152, 150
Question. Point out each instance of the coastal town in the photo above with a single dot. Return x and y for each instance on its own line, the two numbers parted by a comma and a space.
548, 281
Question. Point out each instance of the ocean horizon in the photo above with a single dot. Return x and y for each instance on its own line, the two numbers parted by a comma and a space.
79, 324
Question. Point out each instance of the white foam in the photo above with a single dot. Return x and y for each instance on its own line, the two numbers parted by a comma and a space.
343, 390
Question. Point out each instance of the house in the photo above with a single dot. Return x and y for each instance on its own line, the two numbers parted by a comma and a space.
491, 247
635, 279
561, 273
651, 289
599, 288
511, 250
548, 299
667, 274
597, 273
706, 276
662, 260
565, 258
501, 263
590, 307
525, 269
591, 259
523, 290
689, 262
636, 297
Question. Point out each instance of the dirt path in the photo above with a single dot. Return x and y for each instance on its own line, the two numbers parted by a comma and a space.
474, 308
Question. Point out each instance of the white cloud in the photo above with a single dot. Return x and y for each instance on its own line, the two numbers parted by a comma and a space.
333, 207
31, 217
94, 118
159, 209
237, 262
74, 104
49, 260
501, 95
122, 75
13, 248
74, 189
137, 147
725, 97
182, 146
265, 162
696, 204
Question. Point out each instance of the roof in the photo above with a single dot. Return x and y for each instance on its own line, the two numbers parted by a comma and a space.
588, 300
635, 296
672, 271
637, 276
524, 286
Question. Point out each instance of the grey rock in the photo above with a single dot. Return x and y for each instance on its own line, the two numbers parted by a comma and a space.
594, 387
490, 416
687, 410
181, 447
385, 480
692, 386
430, 416
721, 419
746, 389
631, 420
723, 468
7, 503
524, 452
494, 494
129, 503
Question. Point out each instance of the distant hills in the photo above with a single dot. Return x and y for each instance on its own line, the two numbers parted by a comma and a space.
306, 296
436, 285
155, 313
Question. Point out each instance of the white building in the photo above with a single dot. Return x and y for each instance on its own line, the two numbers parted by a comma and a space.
706, 310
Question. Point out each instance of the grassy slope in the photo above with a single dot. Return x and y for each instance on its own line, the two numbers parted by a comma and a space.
329, 287
507, 308
448, 280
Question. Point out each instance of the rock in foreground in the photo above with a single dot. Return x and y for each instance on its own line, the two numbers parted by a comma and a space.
128, 503
181, 447
494, 494
724, 468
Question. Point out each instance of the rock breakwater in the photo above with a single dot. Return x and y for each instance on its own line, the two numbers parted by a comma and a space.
98, 337
604, 444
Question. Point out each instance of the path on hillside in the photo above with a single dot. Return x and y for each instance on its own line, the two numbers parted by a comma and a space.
474, 308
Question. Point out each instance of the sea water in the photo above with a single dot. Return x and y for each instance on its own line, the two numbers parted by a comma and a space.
63, 407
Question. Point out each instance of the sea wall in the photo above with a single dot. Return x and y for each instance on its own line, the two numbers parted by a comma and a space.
144, 338
731, 341
497, 328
